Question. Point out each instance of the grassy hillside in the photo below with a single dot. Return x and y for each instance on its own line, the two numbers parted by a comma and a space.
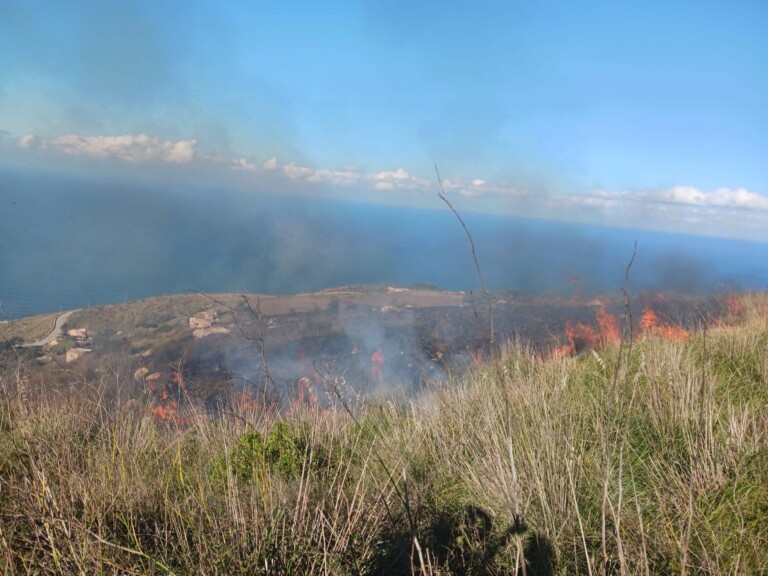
642, 459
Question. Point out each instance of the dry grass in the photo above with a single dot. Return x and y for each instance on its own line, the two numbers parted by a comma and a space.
28, 329
527, 466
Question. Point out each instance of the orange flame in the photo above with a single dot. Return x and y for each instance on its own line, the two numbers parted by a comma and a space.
169, 412
377, 366
178, 379
734, 305
649, 320
306, 396
560, 352
650, 325
610, 331
583, 337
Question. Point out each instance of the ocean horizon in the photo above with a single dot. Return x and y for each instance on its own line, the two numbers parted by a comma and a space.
68, 242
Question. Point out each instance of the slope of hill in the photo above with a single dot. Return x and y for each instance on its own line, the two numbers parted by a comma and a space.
640, 459
217, 341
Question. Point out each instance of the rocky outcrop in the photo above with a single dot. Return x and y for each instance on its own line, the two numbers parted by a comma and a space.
140, 373
203, 320
203, 325
203, 332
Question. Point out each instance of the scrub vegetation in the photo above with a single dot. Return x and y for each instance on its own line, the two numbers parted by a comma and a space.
649, 458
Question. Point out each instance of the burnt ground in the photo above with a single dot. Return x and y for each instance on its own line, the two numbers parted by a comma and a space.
421, 333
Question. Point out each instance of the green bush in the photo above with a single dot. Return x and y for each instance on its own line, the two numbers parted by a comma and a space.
282, 452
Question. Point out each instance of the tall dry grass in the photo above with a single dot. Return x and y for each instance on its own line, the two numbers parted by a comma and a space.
525, 466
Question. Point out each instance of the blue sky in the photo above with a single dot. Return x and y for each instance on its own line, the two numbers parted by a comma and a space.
648, 114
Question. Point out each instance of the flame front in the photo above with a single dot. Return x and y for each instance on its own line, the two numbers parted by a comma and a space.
607, 331
650, 326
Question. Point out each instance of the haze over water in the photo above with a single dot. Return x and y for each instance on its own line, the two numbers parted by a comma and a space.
289, 147
67, 243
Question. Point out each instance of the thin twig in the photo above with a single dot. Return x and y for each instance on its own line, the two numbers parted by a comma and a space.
626, 334
260, 344
444, 198
257, 341
626, 338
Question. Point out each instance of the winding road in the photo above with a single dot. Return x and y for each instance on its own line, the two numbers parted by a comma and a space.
54, 333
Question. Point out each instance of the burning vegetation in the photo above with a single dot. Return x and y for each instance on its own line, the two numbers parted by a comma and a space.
377, 340
519, 463
377, 350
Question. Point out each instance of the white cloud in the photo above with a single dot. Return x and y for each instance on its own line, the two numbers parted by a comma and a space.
230, 162
27, 141
679, 195
270, 164
132, 148
674, 208
738, 198
182, 152
727, 212
145, 148
590, 201
334, 177
128, 147
479, 187
399, 179
244, 164
347, 176
721, 197
296, 171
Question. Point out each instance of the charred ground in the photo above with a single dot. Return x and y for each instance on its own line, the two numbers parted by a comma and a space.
202, 346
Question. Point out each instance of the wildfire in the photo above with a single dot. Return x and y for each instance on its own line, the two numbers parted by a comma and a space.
169, 412
607, 331
306, 397
734, 305
587, 337
580, 336
583, 336
377, 366
649, 320
166, 391
650, 325
609, 328
178, 379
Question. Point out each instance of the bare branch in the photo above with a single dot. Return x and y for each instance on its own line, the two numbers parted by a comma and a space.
257, 340
444, 198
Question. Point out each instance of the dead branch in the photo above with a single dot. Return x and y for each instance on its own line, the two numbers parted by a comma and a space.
444, 198
257, 341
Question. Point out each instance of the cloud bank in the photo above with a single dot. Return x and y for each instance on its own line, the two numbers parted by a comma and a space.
734, 212
736, 198
128, 147
144, 148
479, 187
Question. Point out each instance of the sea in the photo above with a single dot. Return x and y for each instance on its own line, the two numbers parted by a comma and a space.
70, 242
